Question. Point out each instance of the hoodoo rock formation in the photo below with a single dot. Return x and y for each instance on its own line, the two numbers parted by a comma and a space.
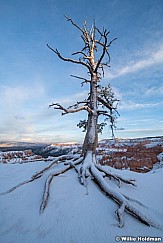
134, 154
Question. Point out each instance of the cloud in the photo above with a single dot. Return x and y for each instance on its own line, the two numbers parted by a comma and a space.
19, 117
130, 105
16, 104
144, 131
72, 99
152, 59
118, 94
154, 91
15, 96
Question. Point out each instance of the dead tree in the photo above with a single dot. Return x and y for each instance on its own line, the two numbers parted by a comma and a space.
100, 101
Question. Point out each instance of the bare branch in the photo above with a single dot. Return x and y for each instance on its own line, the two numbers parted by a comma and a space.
66, 111
83, 102
85, 35
99, 32
82, 83
111, 42
103, 52
103, 102
86, 46
104, 113
69, 59
104, 45
79, 52
73, 23
75, 106
106, 64
86, 80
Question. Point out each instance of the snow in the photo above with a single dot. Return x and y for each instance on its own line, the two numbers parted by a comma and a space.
154, 144
160, 157
111, 150
53, 149
71, 215
151, 142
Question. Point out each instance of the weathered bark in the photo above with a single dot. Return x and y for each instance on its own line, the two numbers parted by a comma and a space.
91, 137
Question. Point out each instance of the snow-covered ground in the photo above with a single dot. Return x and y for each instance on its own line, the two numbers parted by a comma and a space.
72, 216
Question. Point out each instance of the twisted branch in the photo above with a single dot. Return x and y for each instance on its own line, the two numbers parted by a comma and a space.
69, 59
57, 106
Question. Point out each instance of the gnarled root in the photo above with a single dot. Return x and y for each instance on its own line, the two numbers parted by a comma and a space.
116, 177
49, 180
84, 169
120, 213
119, 198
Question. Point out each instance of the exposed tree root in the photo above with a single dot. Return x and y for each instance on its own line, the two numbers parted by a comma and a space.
122, 200
90, 166
38, 174
134, 200
18, 185
55, 161
49, 180
120, 213
116, 177
97, 172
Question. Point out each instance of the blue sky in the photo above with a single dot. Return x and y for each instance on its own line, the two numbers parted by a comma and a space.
31, 76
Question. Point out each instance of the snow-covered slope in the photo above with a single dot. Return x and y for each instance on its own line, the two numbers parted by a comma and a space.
58, 149
72, 216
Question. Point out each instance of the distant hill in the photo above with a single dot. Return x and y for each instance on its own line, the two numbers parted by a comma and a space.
58, 149
19, 146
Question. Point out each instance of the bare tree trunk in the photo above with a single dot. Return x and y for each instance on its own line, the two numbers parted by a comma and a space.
91, 137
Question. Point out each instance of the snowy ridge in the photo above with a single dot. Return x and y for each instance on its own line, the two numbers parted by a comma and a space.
150, 141
59, 149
